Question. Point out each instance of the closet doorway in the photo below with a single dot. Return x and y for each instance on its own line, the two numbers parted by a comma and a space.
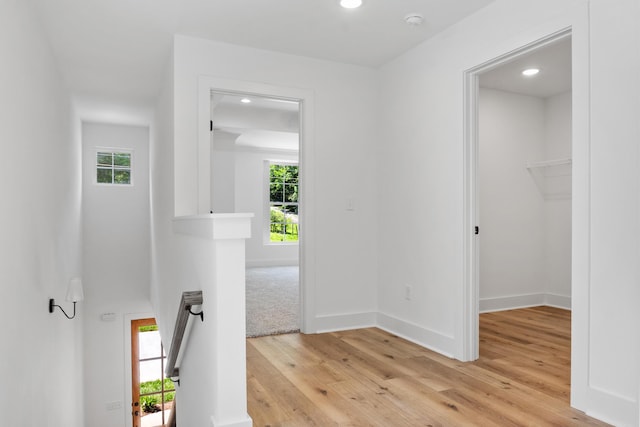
519, 162
524, 181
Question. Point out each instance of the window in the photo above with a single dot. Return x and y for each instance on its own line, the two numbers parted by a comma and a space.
283, 202
113, 167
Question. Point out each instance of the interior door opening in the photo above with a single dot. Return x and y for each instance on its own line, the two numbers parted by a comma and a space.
255, 167
518, 185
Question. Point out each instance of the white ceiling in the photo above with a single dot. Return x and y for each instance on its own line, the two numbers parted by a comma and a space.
119, 49
261, 139
228, 100
554, 62
264, 123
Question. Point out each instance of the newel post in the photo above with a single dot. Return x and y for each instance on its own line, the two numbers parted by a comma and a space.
224, 303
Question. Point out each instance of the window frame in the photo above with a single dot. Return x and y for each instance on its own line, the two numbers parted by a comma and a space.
267, 200
113, 150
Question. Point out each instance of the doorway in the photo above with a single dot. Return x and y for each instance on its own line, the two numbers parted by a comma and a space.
517, 183
152, 393
255, 167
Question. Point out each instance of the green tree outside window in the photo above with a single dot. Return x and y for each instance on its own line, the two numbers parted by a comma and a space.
283, 202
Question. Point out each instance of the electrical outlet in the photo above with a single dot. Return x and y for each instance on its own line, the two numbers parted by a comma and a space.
407, 292
108, 317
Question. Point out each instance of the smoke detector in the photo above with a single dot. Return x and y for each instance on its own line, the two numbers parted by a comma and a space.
414, 19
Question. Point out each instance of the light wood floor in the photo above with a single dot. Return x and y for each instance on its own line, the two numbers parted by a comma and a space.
368, 377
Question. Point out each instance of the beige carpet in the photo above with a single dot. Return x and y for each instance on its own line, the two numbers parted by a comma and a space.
272, 300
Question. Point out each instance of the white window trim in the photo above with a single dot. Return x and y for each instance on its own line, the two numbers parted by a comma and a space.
113, 150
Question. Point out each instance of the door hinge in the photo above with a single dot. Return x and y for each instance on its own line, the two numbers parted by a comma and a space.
477, 230
210, 125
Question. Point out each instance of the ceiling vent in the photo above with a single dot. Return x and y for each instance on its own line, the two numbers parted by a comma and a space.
414, 19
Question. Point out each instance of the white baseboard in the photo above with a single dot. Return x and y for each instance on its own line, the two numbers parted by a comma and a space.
510, 302
601, 404
343, 322
522, 301
246, 422
559, 301
424, 337
271, 263
433, 340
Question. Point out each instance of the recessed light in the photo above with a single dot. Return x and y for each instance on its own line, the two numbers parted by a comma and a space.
530, 72
350, 4
245, 101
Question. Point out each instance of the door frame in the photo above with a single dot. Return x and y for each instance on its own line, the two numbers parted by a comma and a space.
471, 286
135, 367
127, 319
306, 215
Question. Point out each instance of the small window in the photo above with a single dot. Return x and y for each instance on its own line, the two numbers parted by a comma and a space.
113, 167
283, 203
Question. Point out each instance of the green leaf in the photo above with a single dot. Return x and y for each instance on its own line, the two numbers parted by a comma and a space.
104, 176
105, 159
122, 159
122, 176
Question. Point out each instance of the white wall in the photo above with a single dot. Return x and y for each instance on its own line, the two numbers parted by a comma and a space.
40, 245
613, 345
557, 210
341, 244
422, 142
116, 245
165, 291
251, 197
223, 172
512, 211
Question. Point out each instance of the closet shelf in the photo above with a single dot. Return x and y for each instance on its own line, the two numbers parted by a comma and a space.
549, 163
553, 177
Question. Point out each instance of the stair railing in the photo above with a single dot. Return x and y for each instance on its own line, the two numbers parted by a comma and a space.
188, 300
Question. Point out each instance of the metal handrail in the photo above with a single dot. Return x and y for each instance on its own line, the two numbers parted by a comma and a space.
188, 300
